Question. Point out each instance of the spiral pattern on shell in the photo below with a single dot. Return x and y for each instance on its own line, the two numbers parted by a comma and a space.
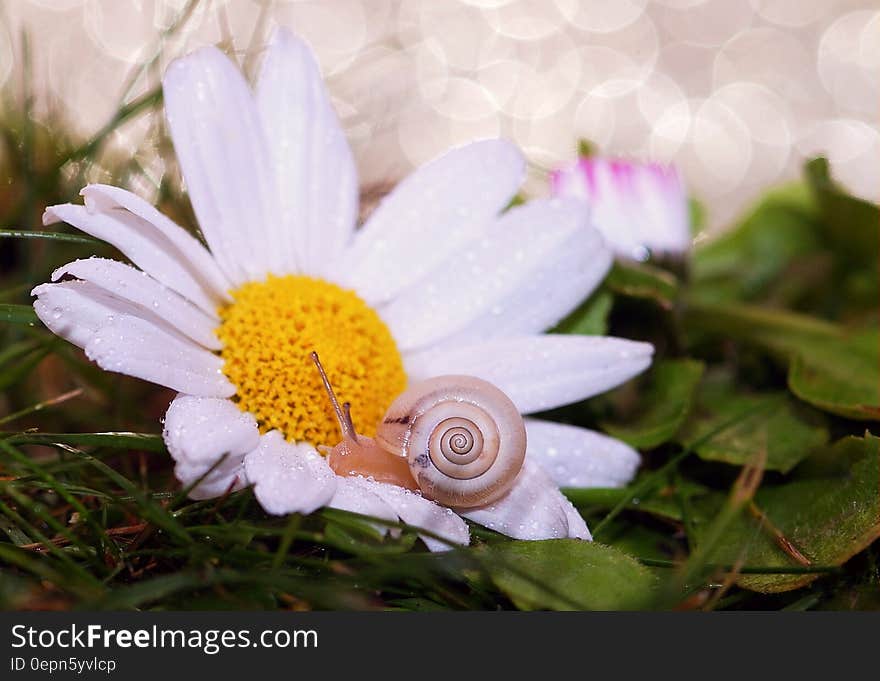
456, 441
463, 437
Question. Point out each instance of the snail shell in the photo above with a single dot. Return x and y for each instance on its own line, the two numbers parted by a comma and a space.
464, 439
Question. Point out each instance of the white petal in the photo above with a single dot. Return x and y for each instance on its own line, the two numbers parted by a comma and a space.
132, 346
224, 155
577, 457
75, 310
113, 335
211, 480
199, 430
534, 265
415, 510
287, 477
200, 263
533, 509
547, 294
577, 526
317, 180
139, 288
142, 243
539, 372
354, 497
429, 216
222, 479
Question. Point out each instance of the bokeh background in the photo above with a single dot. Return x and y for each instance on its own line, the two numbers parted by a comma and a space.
736, 92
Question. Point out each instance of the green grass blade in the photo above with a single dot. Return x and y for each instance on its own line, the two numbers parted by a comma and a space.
40, 567
150, 510
51, 236
18, 314
41, 472
114, 440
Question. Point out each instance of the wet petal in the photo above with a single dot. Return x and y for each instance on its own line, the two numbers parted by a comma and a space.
314, 168
222, 150
530, 269
577, 457
75, 310
119, 336
199, 430
429, 216
533, 509
539, 372
142, 243
415, 510
357, 498
139, 288
288, 477
577, 526
226, 477
135, 347
195, 257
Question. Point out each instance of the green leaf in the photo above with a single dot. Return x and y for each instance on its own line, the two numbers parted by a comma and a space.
779, 331
18, 314
842, 376
742, 262
697, 214
586, 148
827, 519
664, 501
591, 318
639, 280
650, 542
850, 225
568, 574
788, 431
663, 406
830, 367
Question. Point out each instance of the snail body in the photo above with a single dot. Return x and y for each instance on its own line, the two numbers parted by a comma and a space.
458, 439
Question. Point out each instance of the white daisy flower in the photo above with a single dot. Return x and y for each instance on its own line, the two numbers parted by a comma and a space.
440, 280
640, 208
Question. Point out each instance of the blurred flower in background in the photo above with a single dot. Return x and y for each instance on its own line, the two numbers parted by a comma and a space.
640, 208
736, 94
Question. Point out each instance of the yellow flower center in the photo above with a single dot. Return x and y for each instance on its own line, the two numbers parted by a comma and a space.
268, 333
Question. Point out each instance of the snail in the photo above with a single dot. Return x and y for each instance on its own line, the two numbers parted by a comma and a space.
458, 439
